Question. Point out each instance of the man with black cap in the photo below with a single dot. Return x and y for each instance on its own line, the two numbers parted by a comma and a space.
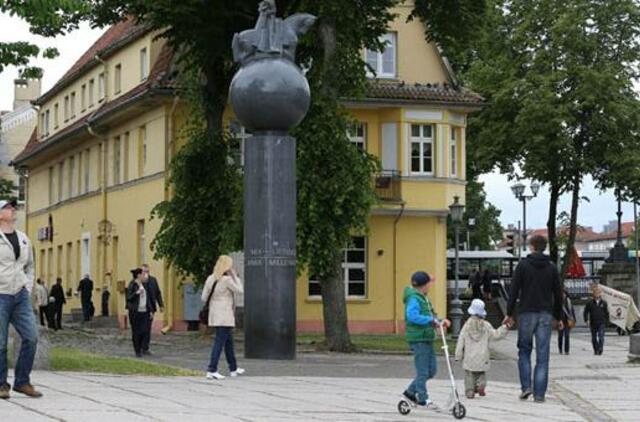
16, 282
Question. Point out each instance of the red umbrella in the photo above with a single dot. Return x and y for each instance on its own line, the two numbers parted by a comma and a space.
575, 268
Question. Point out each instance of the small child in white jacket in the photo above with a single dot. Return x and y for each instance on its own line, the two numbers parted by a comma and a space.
473, 348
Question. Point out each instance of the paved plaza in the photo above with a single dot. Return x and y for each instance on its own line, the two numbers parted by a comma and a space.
584, 387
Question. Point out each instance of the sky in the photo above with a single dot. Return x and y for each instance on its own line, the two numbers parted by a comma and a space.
596, 213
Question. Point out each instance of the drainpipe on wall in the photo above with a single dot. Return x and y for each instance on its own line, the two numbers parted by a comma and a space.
395, 269
169, 273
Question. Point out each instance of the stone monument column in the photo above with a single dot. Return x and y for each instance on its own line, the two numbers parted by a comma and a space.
270, 95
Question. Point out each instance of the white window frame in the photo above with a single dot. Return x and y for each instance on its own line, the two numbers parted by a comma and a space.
453, 151
72, 178
117, 156
86, 253
22, 189
46, 122
72, 101
390, 39
61, 181
101, 90
144, 64
346, 266
422, 140
358, 139
117, 79
83, 97
92, 88
87, 169
242, 134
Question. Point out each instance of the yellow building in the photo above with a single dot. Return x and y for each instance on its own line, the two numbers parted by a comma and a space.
107, 132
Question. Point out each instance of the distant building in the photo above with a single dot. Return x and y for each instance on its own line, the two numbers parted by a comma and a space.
16, 128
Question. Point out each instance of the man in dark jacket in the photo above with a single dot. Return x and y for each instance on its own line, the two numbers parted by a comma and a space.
596, 315
57, 292
536, 284
86, 291
155, 301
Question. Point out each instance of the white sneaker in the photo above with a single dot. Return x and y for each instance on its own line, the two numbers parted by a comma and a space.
430, 405
215, 376
238, 371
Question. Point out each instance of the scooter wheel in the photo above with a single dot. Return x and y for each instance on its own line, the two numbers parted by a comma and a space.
459, 411
403, 407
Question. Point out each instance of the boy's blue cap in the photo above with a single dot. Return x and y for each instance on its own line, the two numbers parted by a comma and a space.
420, 278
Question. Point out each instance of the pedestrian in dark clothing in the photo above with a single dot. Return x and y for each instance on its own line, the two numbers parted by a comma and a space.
105, 301
86, 291
596, 315
476, 285
536, 283
156, 302
568, 321
59, 300
138, 305
486, 285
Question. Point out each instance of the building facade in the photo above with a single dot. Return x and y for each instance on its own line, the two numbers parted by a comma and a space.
16, 128
107, 131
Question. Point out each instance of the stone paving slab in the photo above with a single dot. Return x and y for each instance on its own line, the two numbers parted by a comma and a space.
87, 397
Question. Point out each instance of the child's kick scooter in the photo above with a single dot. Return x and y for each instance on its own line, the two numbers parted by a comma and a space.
454, 405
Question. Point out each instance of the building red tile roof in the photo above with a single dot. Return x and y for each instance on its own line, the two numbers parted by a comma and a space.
113, 39
161, 77
426, 93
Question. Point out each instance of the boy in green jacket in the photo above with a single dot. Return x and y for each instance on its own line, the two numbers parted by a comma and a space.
421, 324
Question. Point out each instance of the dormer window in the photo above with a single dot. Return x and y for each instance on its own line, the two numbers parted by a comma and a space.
383, 62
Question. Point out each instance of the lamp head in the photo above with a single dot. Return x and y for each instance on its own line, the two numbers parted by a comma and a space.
456, 209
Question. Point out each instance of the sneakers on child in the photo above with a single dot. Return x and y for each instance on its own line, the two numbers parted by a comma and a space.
215, 376
430, 405
525, 394
470, 394
238, 371
410, 396
482, 391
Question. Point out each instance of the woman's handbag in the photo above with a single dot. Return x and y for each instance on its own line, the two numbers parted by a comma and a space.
571, 323
204, 312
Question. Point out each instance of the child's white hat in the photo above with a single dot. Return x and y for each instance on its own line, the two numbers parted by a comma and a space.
477, 308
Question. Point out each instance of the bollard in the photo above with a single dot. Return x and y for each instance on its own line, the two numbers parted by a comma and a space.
634, 348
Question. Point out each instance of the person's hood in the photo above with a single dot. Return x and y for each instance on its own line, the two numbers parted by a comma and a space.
476, 328
538, 260
409, 292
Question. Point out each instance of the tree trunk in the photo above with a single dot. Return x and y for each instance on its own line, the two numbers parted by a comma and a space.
573, 224
551, 222
334, 303
216, 93
334, 311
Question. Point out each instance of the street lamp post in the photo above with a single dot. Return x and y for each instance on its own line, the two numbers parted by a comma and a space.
456, 209
519, 191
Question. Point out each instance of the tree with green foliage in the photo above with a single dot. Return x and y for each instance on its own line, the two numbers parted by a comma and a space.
558, 79
7, 189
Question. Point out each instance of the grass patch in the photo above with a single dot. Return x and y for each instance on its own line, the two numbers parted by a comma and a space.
67, 359
369, 342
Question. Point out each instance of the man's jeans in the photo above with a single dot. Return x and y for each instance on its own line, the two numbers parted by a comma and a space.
597, 338
16, 309
426, 367
530, 325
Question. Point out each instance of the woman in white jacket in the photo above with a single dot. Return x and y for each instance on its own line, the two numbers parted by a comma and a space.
473, 348
219, 290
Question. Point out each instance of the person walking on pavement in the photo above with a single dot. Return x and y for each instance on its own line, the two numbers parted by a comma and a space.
218, 292
596, 315
139, 305
106, 294
476, 285
486, 285
42, 301
536, 284
85, 287
156, 302
16, 283
568, 321
57, 292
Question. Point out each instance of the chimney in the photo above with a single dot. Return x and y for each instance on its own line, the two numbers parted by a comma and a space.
25, 91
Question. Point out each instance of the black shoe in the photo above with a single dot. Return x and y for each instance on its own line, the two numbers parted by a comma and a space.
525, 394
146, 352
409, 396
138, 355
560, 352
539, 399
